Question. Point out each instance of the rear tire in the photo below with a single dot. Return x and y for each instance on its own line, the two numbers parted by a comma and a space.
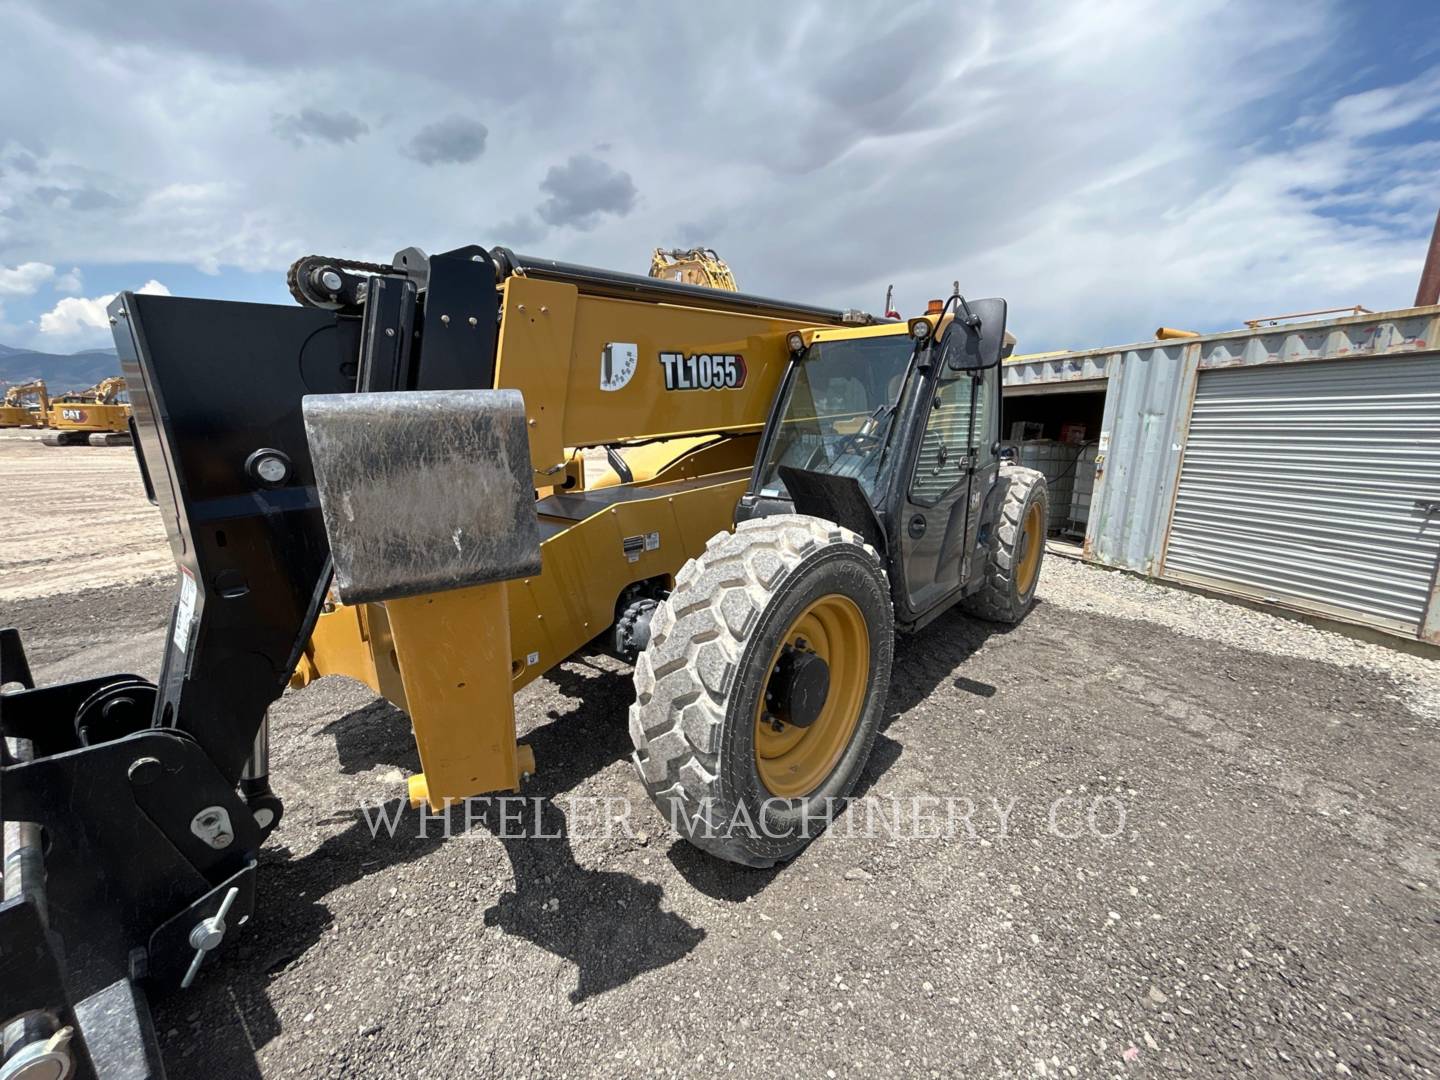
701, 723
1016, 550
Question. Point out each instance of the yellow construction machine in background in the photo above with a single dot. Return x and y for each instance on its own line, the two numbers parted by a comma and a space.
16, 412
697, 266
94, 416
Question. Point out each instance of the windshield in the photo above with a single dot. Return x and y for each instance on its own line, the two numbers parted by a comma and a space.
836, 413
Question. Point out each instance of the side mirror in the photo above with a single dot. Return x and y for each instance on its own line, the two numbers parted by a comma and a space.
974, 348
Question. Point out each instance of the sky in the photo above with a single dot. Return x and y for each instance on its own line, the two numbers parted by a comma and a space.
1108, 166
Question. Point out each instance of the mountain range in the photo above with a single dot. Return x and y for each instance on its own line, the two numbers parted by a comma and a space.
60, 372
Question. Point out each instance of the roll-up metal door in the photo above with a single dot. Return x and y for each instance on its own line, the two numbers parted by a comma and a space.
1315, 485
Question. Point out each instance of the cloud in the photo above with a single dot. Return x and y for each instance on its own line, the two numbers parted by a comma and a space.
24, 279
77, 318
583, 189
313, 125
70, 282
517, 231
75, 198
1106, 165
454, 140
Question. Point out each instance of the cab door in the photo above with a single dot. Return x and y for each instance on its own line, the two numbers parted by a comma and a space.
936, 530
955, 464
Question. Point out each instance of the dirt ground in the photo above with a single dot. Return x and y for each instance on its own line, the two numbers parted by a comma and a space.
74, 516
1205, 842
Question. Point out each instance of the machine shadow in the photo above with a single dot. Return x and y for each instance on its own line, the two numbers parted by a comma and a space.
372, 735
608, 923
623, 931
926, 659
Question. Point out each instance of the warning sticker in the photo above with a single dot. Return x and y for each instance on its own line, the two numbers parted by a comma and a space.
185, 609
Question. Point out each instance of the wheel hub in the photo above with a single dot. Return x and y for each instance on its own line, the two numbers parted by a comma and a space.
798, 687
813, 696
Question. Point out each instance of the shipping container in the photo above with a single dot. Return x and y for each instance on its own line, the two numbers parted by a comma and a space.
1294, 465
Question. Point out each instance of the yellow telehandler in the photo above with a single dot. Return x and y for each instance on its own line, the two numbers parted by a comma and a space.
385, 482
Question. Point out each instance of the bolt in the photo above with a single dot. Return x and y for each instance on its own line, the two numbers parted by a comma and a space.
113, 320
205, 935
145, 770
331, 280
445, 320
389, 331
268, 466
474, 321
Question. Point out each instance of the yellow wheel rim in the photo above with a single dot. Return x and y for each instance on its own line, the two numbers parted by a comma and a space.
794, 761
1032, 542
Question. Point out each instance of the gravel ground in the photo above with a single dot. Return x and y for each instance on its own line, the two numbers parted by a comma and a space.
1254, 892
1080, 587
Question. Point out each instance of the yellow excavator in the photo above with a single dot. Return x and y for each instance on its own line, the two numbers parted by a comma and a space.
95, 416
15, 411
384, 482
695, 266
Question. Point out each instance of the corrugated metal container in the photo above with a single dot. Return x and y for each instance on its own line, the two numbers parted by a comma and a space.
1150, 389
1139, 454
1054, 372
1315, 486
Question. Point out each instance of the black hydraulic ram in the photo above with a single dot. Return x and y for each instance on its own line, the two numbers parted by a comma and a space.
594, 281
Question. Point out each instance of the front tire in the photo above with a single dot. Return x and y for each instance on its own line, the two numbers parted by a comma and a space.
760, 694
1016, 549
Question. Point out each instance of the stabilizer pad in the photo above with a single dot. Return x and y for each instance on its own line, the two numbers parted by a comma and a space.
423, 491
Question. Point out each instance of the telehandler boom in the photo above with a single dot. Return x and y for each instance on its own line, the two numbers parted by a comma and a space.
387, 482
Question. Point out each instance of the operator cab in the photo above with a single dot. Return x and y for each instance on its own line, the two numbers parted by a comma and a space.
893, 431
836, 408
